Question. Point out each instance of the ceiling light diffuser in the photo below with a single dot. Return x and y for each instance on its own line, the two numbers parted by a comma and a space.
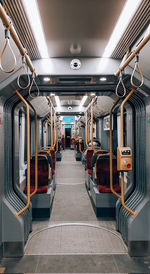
126, 15
102, 79
46, 79
57, 101
33, 15
83, 100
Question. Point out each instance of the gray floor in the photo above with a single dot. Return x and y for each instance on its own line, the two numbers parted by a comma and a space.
74, 249
72, 205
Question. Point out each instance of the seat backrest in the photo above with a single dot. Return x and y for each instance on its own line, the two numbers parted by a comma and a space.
103, 171
53, 158
89, 156
43, 171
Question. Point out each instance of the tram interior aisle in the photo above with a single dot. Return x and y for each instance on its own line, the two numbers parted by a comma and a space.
73, 240
72, 206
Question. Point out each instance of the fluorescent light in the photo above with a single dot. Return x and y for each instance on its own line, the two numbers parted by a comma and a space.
83, 100
33, 15
103, 79
126, 15
46, 79
57, 101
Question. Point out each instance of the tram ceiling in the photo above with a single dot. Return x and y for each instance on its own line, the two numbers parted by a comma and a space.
86, 24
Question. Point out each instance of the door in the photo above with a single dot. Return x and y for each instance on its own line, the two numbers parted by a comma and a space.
67, 136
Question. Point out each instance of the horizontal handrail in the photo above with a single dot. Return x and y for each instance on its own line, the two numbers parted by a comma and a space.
8, 25
133, 54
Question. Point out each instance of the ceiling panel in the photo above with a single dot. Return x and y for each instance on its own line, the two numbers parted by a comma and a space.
41, 105
85, 24
103, 105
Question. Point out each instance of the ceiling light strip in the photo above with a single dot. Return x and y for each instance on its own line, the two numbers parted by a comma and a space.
137, 24
57, 101
22, 27
83, 100
126, 15
133, 30
33, 14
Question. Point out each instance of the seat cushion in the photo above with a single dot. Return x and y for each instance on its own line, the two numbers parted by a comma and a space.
105, 189
89, 171
41, 189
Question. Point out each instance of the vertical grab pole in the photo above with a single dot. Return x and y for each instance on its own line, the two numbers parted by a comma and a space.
122, 145
47, 134
86, 129
54, 129
36, 151
61, 132
51, 127
56, 139
110, 148
28, 154
92, 126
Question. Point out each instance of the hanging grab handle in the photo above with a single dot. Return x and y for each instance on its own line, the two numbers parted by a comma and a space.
24, 67
7, 37
33, 81
137, 67
117, 87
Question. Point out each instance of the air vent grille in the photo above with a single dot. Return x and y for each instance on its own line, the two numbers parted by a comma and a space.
136, 26
15, 11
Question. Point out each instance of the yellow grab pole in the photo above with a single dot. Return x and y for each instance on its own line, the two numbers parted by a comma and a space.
28, 154
57, 140
36, 151
51, 126
110, 148
122, 145
86, 130
61, 131
54, 129
8, 24
46, 133
92, 126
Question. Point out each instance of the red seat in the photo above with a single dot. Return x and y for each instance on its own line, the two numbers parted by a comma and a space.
43, 174
53, 160
103, 174
41, 189
89, 171
89, 159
